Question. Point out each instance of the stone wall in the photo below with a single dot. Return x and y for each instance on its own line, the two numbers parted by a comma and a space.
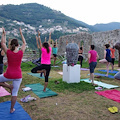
99, 39
87, 38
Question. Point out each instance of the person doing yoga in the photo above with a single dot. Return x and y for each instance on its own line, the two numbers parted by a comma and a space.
107, 58
13, 72
45, 66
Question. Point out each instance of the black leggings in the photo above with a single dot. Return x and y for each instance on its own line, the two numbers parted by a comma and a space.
42, 67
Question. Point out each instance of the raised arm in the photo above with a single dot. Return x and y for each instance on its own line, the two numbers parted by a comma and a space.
37, 42
3, 40
23, 40
39, 39
56, 43
79, 44
49, 38
45, 39
66, 42
9, 41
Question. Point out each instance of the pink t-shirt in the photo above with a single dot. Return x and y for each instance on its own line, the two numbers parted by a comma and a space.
45, 57
93, 57
14, 65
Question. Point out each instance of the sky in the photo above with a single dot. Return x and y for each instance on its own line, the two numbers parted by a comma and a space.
89, 11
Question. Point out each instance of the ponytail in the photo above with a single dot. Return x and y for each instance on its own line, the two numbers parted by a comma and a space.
13, 47
46, 45
13, 44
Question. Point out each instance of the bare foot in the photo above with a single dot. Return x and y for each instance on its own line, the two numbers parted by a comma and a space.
93, 84
44, 90
44, 71
106, 75
12, 111
11, 88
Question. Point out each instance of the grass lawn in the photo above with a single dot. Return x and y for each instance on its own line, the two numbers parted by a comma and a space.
75, 101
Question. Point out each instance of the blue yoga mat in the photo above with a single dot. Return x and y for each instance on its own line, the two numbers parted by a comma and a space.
114, 71
99, 83
19, 113
99, 74
38, 90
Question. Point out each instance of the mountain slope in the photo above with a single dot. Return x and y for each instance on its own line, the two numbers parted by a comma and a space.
36, 14
107, 27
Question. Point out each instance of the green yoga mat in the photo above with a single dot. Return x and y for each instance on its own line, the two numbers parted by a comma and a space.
36, 75
38, 90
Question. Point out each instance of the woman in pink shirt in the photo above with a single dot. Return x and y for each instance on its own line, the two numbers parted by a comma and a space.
13, 72
92, 57
45, 66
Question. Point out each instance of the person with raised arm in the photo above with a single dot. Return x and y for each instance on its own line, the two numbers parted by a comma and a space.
13, 72
54, 50
80, 54
2, 53
112, 49
107, 58
45, 66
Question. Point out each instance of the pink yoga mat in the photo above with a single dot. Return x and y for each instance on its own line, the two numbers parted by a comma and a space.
110, 94
84, 69
3, 92
61, 73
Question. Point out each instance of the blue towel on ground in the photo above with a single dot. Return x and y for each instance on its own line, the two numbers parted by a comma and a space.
99, 83
19, 113
114, 71
109, 76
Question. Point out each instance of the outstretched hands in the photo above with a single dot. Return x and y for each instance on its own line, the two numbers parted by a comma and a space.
4, 33
38, 33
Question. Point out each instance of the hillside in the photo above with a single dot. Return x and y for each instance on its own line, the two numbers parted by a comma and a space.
108, 26
33, 17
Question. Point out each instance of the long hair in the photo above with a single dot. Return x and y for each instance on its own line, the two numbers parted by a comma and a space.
0, 44
46, 45
13, 44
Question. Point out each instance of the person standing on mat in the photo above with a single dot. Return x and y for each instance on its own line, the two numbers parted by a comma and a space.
112, 49
13, 72
54, 50
45, 66
80, 54
2, 53
38, 61
92, 57
107, 58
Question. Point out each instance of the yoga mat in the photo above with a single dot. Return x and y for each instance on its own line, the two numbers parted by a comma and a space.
19, 113
61, 73
114, 71
36, 75
110, 94
99, 74
54, 66
99, 83
3, 92
84, 69
38, 90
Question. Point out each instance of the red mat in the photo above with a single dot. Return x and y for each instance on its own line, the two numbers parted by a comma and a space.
110, 94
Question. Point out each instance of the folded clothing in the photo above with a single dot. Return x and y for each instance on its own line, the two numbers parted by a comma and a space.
26, 89
27, 99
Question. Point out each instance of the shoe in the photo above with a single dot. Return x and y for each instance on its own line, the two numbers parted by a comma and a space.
111, 109
115, 109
